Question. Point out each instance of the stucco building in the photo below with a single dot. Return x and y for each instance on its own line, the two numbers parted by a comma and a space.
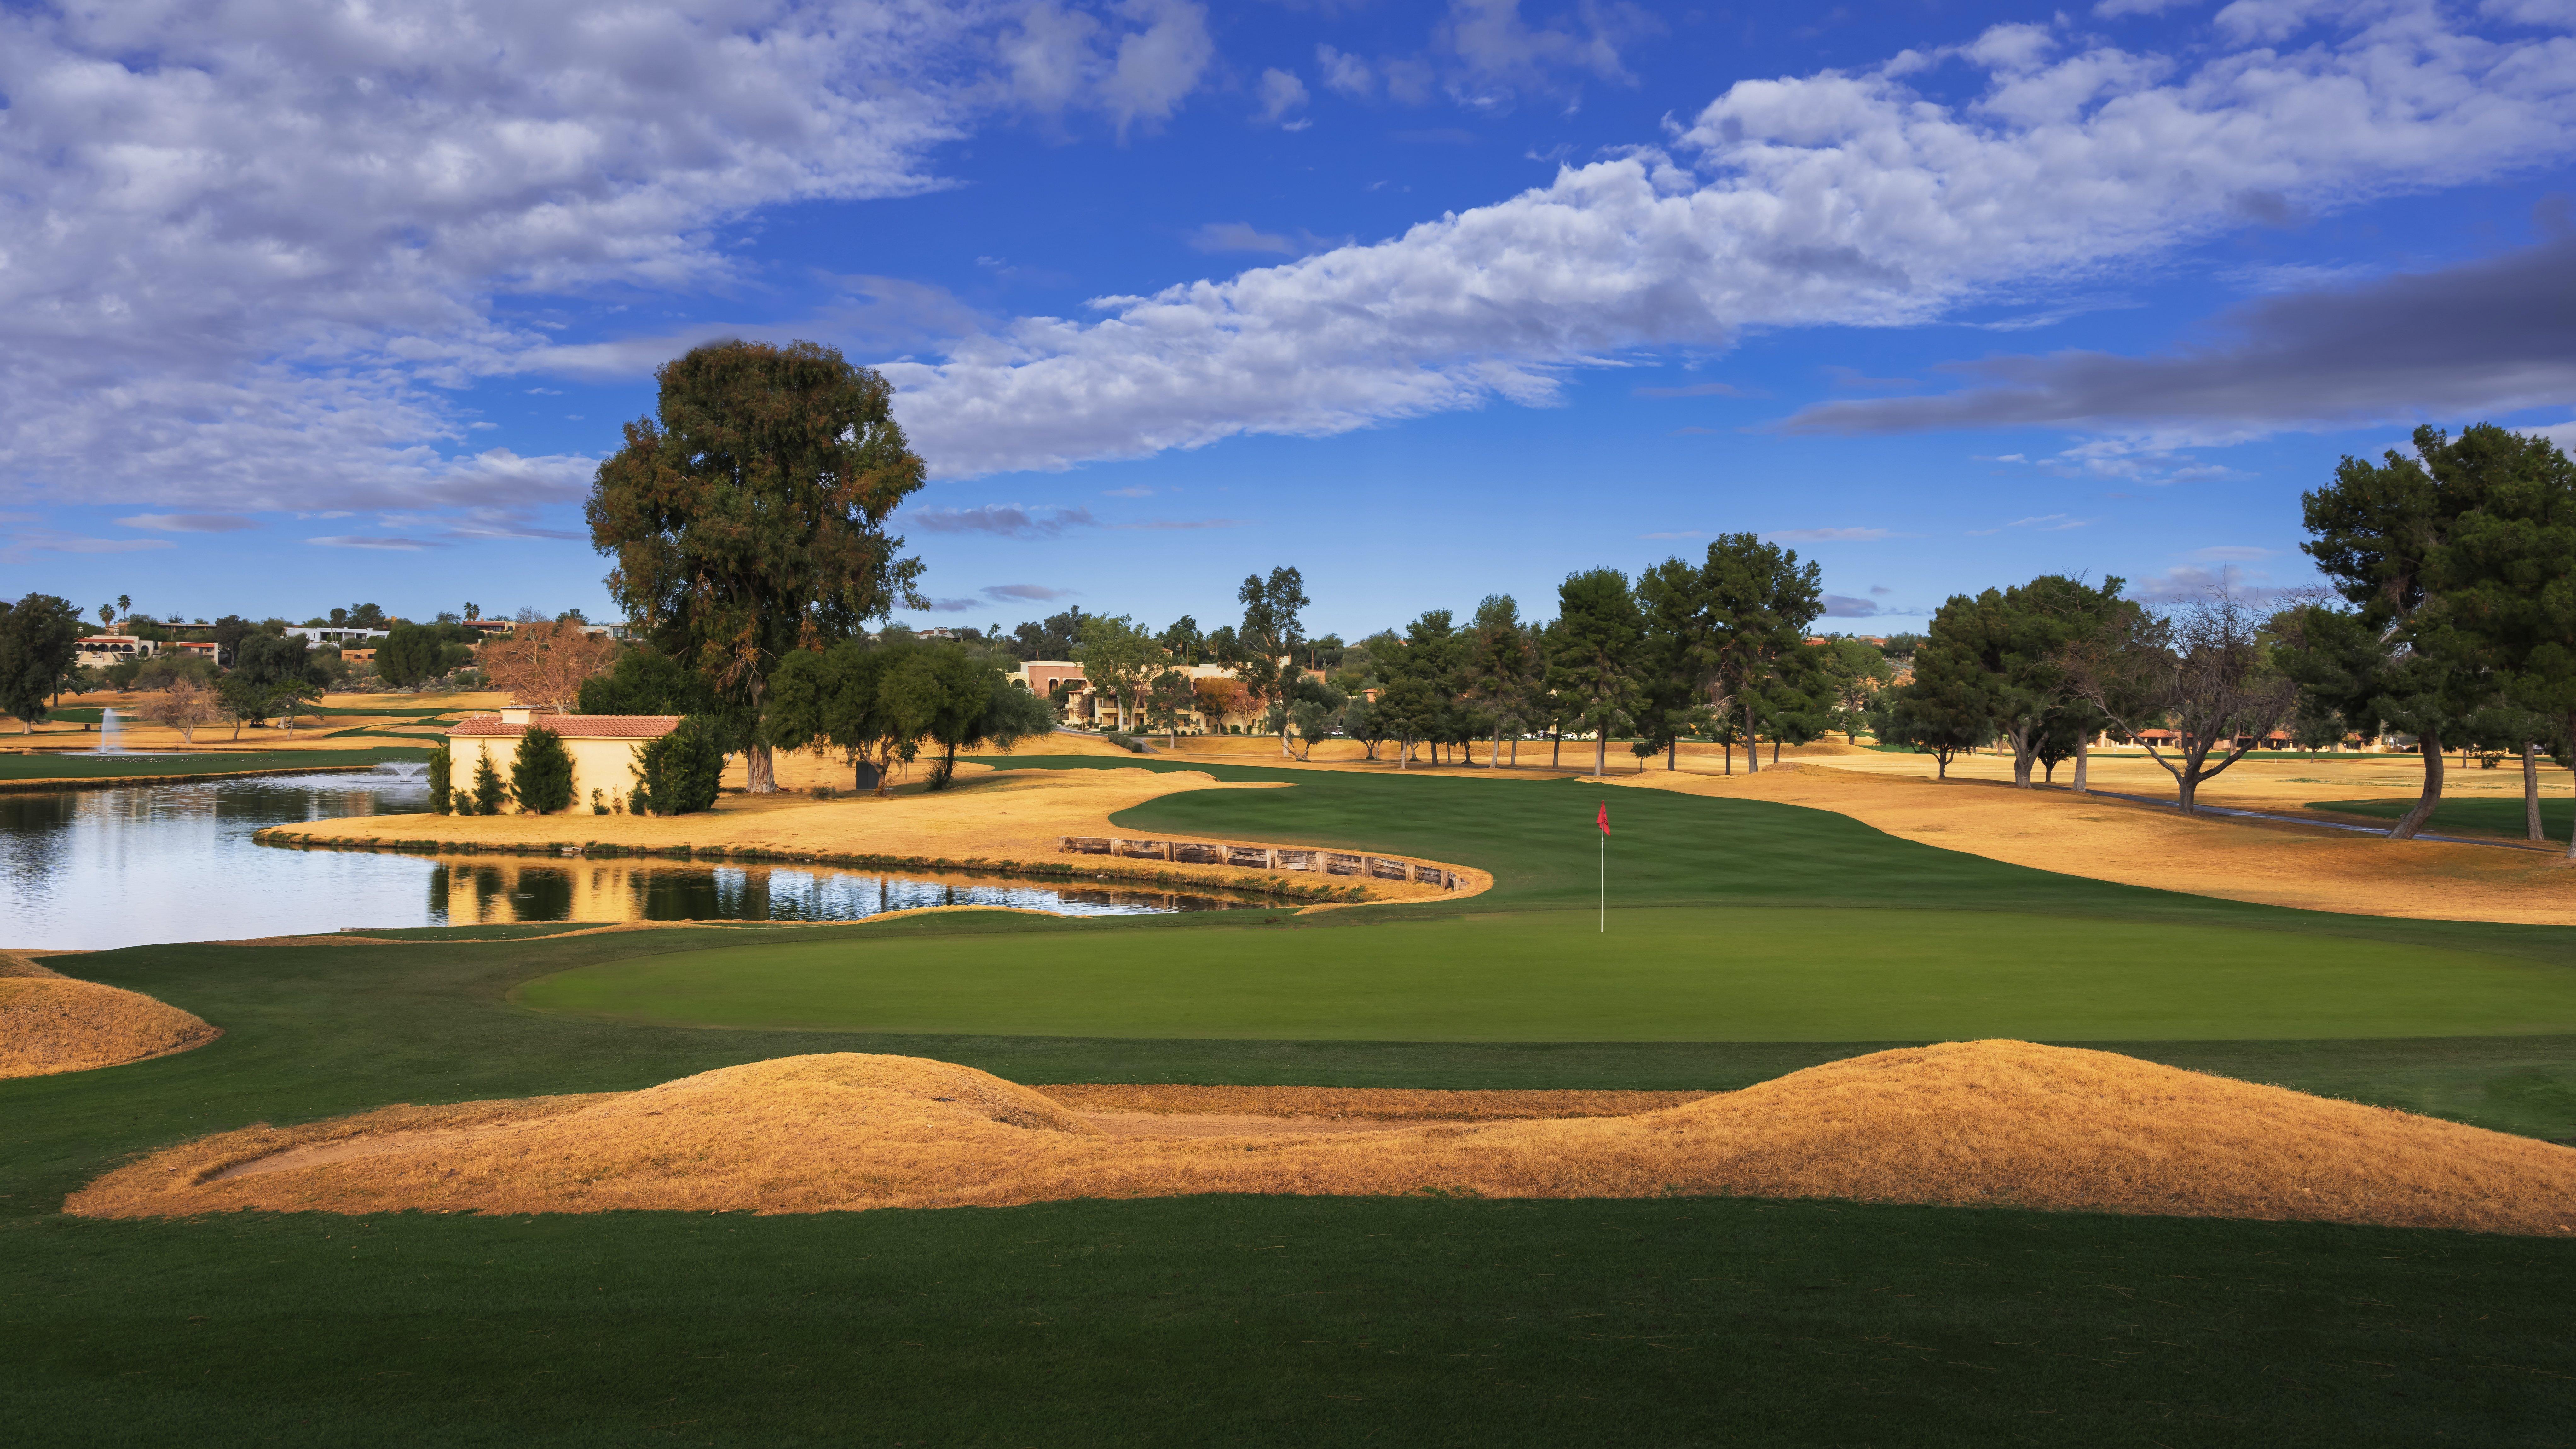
602, 747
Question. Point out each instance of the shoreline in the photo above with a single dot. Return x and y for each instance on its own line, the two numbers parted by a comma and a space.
1299, 892
113, 782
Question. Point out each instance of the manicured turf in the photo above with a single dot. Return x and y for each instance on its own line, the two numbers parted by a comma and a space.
1665, 973
2468, 816
1235, 1320
144, 767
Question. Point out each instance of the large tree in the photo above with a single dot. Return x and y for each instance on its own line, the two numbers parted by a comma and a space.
1759, 603
1500, 666
749, 522
1272, 628
1118, 658
2379, 529
2205, 671
2019, 639
1593, 653
2506, 577
39, 642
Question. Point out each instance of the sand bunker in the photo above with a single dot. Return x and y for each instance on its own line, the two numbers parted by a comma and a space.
1996, 1123
51, 1023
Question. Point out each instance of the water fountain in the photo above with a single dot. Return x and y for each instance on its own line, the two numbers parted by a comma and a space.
405, 769
107, 729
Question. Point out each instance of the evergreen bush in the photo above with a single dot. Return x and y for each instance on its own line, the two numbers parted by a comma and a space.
441, 795
678, 773
490, 792
541, 772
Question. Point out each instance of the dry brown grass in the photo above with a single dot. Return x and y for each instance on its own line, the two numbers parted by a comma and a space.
25, 963
1996, 1122
1340, 1104
2277, 865
51, 1024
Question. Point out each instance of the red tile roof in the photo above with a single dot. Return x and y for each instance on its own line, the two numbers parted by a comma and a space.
575, 726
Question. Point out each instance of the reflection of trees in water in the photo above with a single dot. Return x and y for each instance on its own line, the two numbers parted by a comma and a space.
462, 892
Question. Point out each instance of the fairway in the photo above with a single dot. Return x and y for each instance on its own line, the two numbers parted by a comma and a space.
1714, 974
2470, 816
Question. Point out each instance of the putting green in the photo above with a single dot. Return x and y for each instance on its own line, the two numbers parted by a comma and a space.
1700, 974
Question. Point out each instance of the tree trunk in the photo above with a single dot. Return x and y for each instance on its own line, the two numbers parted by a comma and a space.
1752, 743
2187, 789
2023, 754
1600, 750
2414, 819
2083, 758
1556, 748
1729, 747
759, 770
2531, 792
1672, 753
1775, 749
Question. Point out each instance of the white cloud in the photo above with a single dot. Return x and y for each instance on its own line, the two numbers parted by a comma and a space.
1839, 199
1011, 520
189, 522
248, 248
1498, 52
1238, 236
373, 541
1345, 72
1282, 95
1829, 535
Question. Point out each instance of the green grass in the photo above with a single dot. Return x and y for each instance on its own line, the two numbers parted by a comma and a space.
1664, 973
1291, 1321
2467, 817
144, 767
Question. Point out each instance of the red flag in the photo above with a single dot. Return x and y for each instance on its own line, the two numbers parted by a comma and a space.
1604, 818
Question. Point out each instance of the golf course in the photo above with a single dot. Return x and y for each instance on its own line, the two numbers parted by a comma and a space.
1743, 940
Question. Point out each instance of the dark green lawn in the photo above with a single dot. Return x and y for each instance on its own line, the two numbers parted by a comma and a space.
2467, 817
1232, 1320
145, 767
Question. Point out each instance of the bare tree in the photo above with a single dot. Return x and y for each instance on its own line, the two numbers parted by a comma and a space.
2201, 671
543, 662
183, 707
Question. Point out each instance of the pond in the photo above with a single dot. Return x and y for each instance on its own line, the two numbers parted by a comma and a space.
96, 869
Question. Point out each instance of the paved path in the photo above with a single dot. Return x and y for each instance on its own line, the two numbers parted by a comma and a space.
2379, 830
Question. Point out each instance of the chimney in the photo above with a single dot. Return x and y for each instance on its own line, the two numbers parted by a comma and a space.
518, 714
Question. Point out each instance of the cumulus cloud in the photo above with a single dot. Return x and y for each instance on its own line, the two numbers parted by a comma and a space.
1838, 199
1282, 96
2485, 336
249, 248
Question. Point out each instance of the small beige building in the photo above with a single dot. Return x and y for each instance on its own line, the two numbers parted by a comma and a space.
602, 747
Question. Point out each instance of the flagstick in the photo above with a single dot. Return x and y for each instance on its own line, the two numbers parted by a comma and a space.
1605, 883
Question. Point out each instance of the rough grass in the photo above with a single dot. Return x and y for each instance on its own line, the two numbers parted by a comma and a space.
1347, 1104
1972, 1124
2498, 817
51, 1023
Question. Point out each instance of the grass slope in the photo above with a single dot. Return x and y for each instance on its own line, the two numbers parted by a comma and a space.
1665, 973
1231, 1320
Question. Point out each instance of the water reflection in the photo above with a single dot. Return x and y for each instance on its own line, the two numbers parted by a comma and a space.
96, 869
483, 889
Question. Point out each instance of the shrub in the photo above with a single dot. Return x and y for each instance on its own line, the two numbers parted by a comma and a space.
598, 802
489, 791
678, 773
1126, 742
441, 797
541, 772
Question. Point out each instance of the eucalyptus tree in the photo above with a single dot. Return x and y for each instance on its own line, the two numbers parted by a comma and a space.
749, 522
1273, 625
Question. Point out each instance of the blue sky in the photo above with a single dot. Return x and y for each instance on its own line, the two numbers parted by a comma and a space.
1431, 301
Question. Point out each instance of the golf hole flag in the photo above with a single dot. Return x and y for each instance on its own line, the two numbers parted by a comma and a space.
1603, 820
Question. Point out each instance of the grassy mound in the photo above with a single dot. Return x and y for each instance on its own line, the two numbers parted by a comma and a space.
1993, 1123
51, 1023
